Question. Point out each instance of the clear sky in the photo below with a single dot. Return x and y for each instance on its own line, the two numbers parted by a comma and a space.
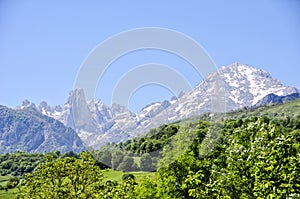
43, 43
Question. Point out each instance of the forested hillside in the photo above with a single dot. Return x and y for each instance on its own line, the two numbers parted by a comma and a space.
146, 152
242, 157
252, 158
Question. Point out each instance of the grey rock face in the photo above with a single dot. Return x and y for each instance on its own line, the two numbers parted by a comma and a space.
275, 99
30, 131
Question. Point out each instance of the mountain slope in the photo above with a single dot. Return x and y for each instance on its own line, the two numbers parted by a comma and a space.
275, 99
30, 131
229, 88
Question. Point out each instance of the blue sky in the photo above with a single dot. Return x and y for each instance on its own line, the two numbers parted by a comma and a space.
43, 43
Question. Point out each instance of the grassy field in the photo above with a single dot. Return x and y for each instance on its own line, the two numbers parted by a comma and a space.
117, 175
3, 180
10, 193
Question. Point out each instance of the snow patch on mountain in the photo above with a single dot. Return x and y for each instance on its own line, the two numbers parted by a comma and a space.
230, 88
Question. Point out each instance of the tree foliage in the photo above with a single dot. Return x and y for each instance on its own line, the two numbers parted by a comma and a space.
146, 149
255, 160
244, 158
64, 178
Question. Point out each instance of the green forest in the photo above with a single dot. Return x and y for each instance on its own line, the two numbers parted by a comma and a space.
247, 154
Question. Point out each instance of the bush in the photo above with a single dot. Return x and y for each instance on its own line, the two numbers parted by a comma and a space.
12, 182
128, 176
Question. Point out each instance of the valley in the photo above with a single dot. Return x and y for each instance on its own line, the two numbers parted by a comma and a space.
245, 156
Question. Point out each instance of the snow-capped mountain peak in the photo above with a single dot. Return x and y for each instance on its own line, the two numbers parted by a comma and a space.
231, 87
246, 85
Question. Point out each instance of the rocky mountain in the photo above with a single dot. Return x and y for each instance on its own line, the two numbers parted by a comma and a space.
229, 88
31, 131
275, 99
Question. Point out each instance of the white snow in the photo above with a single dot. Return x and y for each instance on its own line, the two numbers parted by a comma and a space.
243, 85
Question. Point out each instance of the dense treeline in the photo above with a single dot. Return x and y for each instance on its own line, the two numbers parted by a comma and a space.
244, 158
141, 153
153, 141
252, 158
145, 153
17, 165
21, 163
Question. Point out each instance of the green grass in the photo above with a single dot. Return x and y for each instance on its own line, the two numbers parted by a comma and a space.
10, 193
3, 180
141, 174
117, 175
290, 109
279, 111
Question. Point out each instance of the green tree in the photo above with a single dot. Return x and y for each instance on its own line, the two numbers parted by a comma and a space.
12, 182
146, 162
146, 188
68, 177
255, 159
128, 176
117, 158
127, 164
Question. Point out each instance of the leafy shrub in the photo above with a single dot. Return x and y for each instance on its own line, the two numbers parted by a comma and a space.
128, 176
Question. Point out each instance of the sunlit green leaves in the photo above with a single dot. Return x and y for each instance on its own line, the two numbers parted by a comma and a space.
64, 178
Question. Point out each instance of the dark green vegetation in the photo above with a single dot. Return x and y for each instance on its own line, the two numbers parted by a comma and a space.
68, 177
14, 166
4, 191
252, 158
75, 177
19, 163
153, 141
164, 144
137, 154
242, 157
30, 131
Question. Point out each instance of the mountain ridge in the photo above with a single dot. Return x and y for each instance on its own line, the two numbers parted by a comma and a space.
31, 131
275, 99
230, 88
